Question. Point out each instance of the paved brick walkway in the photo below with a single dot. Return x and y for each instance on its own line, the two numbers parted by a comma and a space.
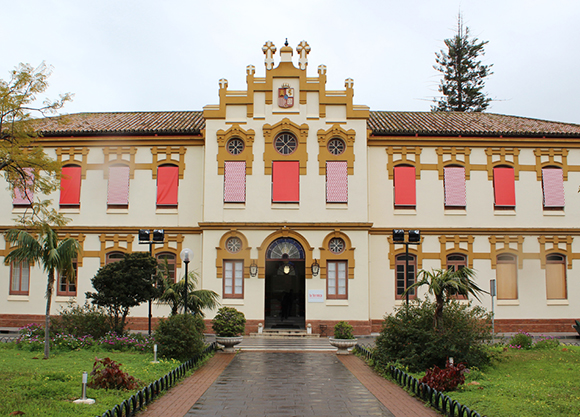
286, 384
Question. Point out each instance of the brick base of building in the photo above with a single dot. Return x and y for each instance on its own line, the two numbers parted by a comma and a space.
324, 327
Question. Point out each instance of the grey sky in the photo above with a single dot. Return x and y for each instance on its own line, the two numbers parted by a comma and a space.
140, 55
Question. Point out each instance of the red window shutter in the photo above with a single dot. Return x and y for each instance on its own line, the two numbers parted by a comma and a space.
235, 182
336, 182
70, 185
167, 185
405, 186
504, 187
454, 178
118, 192
553, 185
26, 196
285, 182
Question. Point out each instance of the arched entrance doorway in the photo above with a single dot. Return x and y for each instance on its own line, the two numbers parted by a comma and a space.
285, 285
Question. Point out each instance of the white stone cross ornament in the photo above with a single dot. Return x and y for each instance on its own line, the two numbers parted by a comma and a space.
348, 83
303, 49
322, 69
250, 70
223, 83
269, 50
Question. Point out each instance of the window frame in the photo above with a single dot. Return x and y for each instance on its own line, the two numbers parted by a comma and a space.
71, 286
71, 184
234, 263
19, 291
112, 257
400, 261
336, 279
553, 194
504, 188
285, 182
171, 262
508, 259
234, 181
336, 182
454, 199
563, 277
404, 187
113, 186
167, 186
457, 264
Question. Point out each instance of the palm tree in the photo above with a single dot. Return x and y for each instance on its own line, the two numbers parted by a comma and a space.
445, 283
197, 300
53, 255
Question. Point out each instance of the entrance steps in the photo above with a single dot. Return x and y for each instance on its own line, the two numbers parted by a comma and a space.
285, 334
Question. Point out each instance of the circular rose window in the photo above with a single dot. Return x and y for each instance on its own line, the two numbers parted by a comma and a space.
235, 146
234, 244
336, 245
285, 143
336, 146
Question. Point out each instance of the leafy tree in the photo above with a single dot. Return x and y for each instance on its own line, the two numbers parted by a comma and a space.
54, 255
444, 284
197, 300
23, 161
463, 73
124, 284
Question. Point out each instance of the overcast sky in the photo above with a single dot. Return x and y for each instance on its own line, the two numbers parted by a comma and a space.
145, 55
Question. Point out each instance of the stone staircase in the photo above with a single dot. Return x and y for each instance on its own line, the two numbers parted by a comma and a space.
282, 333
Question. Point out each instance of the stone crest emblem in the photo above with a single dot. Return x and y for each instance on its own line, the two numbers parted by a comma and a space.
285, 96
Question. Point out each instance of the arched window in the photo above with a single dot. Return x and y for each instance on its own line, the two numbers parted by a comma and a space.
455, 262
67, 286
401, 283
556, 277
166, 261
114, 257
507, 277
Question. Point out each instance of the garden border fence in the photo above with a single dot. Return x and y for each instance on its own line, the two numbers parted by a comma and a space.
145, 396
436, 399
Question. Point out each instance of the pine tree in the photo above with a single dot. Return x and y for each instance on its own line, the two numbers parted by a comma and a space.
463, 73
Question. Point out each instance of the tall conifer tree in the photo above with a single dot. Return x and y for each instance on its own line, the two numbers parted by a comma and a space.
463, 73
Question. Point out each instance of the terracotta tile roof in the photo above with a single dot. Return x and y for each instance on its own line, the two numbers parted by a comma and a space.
465, 124
165, 122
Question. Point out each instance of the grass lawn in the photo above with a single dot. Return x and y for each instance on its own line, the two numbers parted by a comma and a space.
46, 388
524, 383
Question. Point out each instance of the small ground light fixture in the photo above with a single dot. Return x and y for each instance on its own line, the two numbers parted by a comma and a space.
84, 399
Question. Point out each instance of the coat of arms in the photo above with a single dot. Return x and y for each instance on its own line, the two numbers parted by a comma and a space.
285, 96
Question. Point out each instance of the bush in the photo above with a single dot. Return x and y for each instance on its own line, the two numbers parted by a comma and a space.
408, 336
107, 374
179, 337
229, 322
521, 340
135, 342
69, 342
31, 338
81, 321
546, 342
343, 330
446, 379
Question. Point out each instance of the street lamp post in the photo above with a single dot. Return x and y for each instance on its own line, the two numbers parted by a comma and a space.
186, 256
146, 238
414, 238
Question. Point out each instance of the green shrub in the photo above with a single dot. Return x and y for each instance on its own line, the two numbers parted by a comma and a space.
343, 330
31, 338
229, 322
408, 336
546, 342
521, 340
179, 337
81, 321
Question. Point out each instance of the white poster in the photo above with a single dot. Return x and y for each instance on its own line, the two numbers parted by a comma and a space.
315, 296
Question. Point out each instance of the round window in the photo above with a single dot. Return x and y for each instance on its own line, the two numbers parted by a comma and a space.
336, 245
234, 244
235, 146
336, 146
285, 143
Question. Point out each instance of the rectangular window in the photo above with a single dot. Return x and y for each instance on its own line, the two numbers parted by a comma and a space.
454, 184
556, 278
504, 187
70, 186
553, 187
24, 197
336, 280
336, 182
405, 187
167, 185
19, 278
233, 279
66, 286
235, 182
118, 191
285, 182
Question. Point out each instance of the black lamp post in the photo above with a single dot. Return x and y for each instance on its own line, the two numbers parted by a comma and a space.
414, 238
145, 238
186, 256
